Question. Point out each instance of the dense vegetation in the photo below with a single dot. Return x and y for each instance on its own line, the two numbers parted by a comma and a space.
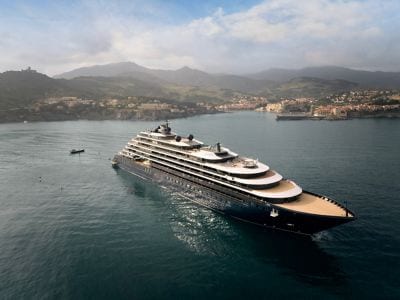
19, 89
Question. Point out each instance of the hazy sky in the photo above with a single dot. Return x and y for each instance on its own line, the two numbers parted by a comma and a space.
216, 36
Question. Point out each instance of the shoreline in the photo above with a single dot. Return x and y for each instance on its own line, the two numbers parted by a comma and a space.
300, 117
105, 118
284, 117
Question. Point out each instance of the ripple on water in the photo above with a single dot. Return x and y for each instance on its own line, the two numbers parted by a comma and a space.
72, 227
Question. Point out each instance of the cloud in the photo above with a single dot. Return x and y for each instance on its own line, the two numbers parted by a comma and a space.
275, 33
286, 33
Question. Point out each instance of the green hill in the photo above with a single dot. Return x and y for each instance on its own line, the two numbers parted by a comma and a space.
309, 87
365, 79
19, 89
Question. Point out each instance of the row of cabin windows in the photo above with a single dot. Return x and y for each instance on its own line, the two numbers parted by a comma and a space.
259, 187
209, 168
227, 194
188, 148
191, 163
241, 193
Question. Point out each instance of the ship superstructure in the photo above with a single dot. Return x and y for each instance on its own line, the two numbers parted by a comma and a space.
218, 178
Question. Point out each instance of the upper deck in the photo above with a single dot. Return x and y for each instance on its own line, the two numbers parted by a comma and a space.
230, 164
219, 158
238, 167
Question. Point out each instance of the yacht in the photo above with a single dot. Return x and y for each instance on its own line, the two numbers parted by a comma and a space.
222, 180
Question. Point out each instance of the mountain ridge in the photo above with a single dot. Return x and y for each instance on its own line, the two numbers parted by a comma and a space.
365, 79
182, 76
246, 82
23, 88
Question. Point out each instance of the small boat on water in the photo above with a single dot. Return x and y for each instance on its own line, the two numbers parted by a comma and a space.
114, 164
75, 151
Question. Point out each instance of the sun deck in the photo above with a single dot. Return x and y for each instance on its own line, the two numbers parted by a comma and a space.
208, 155
312, 204
184, 142
268, 178
285, 189
238, 168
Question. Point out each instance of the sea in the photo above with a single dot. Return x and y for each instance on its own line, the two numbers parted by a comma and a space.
72, 227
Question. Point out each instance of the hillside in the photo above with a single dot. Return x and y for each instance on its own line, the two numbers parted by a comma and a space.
309, 87
250, 83
364, 79
275, 82
182, 77
21, 88
109, 70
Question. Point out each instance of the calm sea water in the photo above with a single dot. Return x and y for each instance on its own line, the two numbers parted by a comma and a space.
71, 227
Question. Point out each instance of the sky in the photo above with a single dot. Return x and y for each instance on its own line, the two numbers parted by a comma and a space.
227, 36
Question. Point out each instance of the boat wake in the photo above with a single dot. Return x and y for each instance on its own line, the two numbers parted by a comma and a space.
322, 236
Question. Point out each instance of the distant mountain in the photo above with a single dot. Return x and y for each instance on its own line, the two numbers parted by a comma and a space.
250, 83
364, 79
21, 88
109, 70
184, 76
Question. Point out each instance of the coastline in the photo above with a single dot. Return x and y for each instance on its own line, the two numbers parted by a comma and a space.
300, 117
26, 115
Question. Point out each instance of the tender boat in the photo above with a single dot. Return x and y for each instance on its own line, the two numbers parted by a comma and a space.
114, 164
75, 151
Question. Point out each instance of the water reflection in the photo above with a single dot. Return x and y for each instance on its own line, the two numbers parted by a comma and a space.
200, 229
208, 233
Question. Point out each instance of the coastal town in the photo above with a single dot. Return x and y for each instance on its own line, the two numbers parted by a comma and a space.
348, 105
342, 106
130, 108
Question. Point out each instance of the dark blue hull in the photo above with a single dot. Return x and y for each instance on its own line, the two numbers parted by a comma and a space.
231, 203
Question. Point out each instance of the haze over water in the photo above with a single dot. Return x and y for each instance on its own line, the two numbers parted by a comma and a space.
71, 227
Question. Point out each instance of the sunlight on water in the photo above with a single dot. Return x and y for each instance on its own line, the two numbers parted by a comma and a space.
194, 225
320, 236
72, 227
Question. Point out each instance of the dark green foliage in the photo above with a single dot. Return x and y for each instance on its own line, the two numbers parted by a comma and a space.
19, 89
365, 79
309, 87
